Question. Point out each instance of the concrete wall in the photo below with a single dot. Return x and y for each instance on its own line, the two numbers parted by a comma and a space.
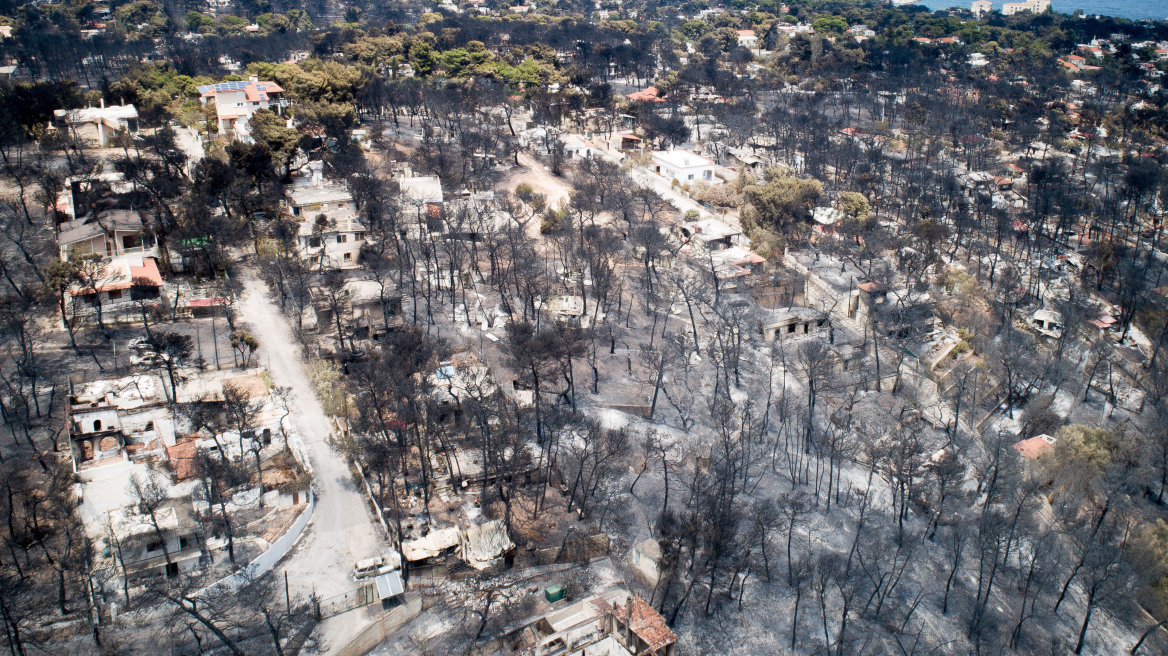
264, 562
386, 625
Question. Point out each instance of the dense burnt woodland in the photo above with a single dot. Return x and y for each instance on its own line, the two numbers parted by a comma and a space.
794, 510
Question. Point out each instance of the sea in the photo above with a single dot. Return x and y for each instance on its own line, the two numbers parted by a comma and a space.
1133, 9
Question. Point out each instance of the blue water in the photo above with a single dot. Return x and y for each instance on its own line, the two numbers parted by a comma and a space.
1134, 9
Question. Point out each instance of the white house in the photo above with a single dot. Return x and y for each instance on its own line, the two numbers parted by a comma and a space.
330, 235
141, 550
334, 242
576, 146
237, 102
98, 124
684, 166
981, 8
747, 39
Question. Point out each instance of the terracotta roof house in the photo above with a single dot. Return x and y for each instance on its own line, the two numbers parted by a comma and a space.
237, 102
653, 635
1034, 447
650, 94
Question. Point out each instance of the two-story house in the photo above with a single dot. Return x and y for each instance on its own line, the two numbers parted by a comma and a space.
237, 102
747, 39
107, 234
330, 235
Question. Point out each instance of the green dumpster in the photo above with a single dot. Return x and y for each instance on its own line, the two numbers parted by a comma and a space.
554, 593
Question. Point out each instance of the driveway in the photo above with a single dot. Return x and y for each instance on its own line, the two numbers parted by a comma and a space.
341, 530
190, 143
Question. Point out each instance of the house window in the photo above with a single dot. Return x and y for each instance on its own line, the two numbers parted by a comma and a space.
115, 294
690, 176
342, 239
96, 425
360, 236
183, 542
171, 570
348, 257
154, 546
314, 242
149, 426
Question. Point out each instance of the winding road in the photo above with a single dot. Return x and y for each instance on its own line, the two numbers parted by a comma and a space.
341, 530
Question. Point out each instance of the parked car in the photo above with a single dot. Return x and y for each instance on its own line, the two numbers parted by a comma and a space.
139, 344
148, 359
376, 566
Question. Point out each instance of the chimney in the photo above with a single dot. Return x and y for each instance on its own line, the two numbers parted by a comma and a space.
103, 102
629, 622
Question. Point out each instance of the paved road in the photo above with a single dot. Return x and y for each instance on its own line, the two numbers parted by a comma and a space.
341, 530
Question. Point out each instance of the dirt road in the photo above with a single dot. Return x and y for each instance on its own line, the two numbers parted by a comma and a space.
341, 530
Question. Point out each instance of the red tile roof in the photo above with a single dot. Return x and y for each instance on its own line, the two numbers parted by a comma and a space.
646, 623
648, 95
182, 459
1034, 447
121, 274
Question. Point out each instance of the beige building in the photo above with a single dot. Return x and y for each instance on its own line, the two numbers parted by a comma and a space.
1032, 6
108, 234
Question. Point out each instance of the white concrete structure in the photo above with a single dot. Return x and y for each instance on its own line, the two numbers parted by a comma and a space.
981, 8
420, 189
684, 166
237, 102
794, 323
118, 420
98, 124
747, 39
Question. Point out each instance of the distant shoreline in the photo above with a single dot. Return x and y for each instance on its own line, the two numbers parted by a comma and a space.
1129, 9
